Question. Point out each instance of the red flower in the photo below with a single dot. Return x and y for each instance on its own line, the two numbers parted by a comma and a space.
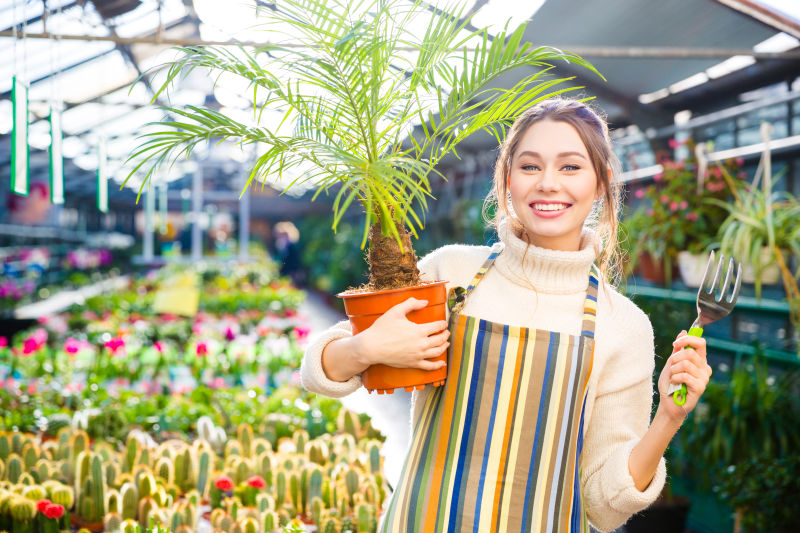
256, 482
30, 346
224, 483
54, 511
42, 504
202, 348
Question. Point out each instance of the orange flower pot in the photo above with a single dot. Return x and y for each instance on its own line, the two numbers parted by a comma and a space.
364, 308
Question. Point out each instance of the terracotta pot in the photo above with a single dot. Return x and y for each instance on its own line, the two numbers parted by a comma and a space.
651, 269
365, 307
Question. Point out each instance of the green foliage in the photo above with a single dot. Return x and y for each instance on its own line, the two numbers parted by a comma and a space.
352, 95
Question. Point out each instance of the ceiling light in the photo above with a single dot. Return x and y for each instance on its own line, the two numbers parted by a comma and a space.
649, 98
780, 42
692, 81
729, 65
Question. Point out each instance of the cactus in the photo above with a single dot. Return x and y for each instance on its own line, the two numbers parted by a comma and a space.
226, 523
351, 484
29, 456
300, 440
242, 471
130, 498
42, 470
5, 447
34, 492
147, 485
265, 502
63, 495
144, 457
165, 469
261, 445
315, 484
364, 514
374, 452
146, 507
26, 479
331, 525
270, 521
203, 471
280, 489
244, 434
249, 525
79, 442
348, 525
14, 468
113, 502
326, 493
317, 453
82, 466
131, 451
98, 487
264, 467
23, 512
184, 470
348, 422
112, 522
316, 510
295, 489
112, 473
130, 526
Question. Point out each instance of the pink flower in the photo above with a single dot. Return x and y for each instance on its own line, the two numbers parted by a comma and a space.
3, 342
717, 172
740, 161
659, 176
115, 344
290, 313
684, 204
664, 198
692, 216
30, 346
201, 348
256, 482
31, 388
673, 143
223, 483
218, 383
639, 193
158, 346
229, 334
650, 212
72, 345
673, 206
302, 331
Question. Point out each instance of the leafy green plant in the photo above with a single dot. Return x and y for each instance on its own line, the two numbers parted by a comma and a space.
356, 75
764, 490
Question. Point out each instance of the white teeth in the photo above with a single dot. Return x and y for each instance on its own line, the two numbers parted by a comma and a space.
550, 207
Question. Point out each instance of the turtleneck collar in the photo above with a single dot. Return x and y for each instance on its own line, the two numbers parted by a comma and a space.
542, 269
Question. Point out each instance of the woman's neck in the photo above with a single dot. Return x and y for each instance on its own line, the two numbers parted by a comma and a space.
543, 269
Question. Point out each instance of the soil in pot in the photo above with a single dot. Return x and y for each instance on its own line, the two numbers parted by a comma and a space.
363, 308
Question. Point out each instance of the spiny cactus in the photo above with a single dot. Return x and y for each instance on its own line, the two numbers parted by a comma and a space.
146, 508
30, 454
26, 479
112, 522
130, 499
204, 467
42, 470
316, 510
348, 525
351, 480
130, 526
261, 445
165, 469
112, 474
326, 493
348, 422
374, 452
300, 440
14, 468
242, 471
185, 469
264, 467
249, 525
79, 442
132, 446
23, 512
147, 485
270, 521
244, 434
34, 492
365, 515
294, 489
5, 446
331, 525
280, 488
318, 453
113, 502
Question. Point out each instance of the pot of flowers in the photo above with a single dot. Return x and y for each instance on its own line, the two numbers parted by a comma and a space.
350, 85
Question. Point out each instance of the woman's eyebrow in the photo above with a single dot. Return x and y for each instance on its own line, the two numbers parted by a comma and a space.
562, 154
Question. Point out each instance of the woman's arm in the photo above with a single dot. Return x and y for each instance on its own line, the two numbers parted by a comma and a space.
684, 366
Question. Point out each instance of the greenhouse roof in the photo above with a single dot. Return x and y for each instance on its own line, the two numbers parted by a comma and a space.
657, 57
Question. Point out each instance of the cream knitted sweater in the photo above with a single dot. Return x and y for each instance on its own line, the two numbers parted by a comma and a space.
545, 289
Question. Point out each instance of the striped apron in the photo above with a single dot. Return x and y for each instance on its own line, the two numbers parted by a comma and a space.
497, 448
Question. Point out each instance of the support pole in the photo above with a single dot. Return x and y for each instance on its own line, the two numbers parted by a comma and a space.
244, 222
149, 226
197, 211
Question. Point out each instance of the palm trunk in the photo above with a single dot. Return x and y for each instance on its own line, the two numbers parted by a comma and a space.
389, 268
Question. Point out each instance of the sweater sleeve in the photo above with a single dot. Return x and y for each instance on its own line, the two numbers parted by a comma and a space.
313, 377
620, 417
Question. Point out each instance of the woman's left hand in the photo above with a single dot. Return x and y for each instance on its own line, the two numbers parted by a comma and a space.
687, 366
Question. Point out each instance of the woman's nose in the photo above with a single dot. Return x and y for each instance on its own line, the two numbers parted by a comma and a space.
549, 181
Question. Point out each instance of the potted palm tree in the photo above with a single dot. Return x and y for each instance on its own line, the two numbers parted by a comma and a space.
376, 100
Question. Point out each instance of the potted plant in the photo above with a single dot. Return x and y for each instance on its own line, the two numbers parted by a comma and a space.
761, 230
739, 419
353, 80
675, 223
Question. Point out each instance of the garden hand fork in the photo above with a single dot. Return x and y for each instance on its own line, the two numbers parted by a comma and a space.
711, 307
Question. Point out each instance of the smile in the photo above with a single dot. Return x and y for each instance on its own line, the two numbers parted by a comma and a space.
549, 207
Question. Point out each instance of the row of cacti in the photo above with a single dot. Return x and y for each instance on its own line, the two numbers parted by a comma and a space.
330, 479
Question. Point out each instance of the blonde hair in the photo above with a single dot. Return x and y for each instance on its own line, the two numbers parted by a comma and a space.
593, 130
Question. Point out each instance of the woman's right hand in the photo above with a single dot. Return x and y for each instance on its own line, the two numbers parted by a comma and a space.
394, 340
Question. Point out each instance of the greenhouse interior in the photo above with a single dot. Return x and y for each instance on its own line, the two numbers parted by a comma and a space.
197, 198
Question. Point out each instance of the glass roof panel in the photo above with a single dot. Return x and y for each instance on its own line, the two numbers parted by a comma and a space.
88, 81
88, 116
144, 19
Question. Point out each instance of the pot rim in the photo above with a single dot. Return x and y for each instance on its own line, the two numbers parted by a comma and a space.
426, 284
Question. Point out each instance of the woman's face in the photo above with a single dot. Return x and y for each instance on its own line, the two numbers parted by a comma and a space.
553, 185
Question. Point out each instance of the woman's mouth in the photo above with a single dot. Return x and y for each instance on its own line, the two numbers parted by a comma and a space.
549, 209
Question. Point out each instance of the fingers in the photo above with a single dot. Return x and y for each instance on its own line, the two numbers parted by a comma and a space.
406, 306
431, 365
698, 344
686, 366
429, 328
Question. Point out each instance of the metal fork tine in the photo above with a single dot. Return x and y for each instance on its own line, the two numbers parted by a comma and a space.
714, 284
736, 286
726, 285
705, 286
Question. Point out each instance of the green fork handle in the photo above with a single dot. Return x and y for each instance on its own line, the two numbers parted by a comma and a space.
679, 397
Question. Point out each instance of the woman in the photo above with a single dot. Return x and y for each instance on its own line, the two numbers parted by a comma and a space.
544, 421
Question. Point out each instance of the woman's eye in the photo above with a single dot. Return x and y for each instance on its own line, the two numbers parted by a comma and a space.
571, 167
530, 167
